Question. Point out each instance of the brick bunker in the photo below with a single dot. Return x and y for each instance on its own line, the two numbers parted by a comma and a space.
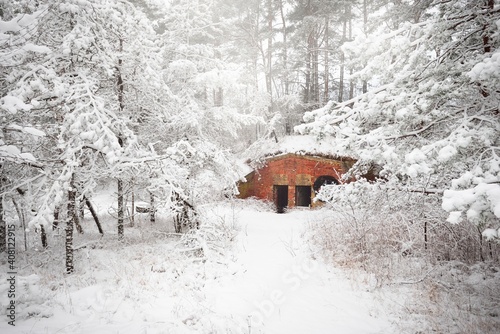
291, 180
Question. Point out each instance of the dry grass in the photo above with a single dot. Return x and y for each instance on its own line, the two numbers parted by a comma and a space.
392, 242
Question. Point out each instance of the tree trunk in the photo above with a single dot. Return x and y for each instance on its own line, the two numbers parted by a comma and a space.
327, 70
480, 235
351, 82
341, 77
55, 223
120, 209
94, 215
22, 221
486, 28
121, 105
307, 88
342, 58
255, 37
285, 49
132, 213
270, 53
78, 226
218, 95
365, 30
487, 40
315, 69
43, 236
425, 235
152, 208
69, 225
81, 208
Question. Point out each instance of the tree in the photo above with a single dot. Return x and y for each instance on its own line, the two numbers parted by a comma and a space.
19, 135
196, 117
116, 101
431, 121
73, 82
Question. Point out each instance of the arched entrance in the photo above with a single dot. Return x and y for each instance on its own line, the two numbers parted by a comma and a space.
322, 180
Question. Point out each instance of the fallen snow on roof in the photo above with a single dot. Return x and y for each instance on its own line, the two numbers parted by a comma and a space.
306, 145
243, 168
296, 144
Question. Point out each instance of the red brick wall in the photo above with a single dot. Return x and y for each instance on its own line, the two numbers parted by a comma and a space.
291, 170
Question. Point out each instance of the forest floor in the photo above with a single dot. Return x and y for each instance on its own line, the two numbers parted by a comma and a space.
282, 287
256, 276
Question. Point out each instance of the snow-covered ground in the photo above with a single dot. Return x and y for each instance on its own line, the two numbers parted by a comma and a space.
268, 282
280, 287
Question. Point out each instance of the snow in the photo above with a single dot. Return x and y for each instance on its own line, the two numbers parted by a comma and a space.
281, 289
19, 22
27, 156
487, 69
243, 168
36, 48
26, 129
446, 153
12, 104
296, 144
493, 194
269, 283
181, 69
458, 199
455, 217
477, 198
415, 156
490, 234
9, 150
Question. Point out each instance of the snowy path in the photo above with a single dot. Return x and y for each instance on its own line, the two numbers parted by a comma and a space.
280, 289
268, 285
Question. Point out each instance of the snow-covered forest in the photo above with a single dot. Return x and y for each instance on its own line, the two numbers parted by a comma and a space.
126, 126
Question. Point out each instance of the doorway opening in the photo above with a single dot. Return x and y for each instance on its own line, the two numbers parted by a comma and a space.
303, 196
322, 180
280, 198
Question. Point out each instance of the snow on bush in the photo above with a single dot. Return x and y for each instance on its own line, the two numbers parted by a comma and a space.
399, 242
373, 224
12, 104
32, 297
487, 69
215, 233
154, 277
181, 69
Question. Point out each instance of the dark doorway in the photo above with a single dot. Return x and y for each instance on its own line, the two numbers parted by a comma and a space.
280, 198
302, 195
322, 180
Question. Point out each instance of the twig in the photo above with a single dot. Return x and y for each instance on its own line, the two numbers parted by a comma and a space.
169, 233
86, 244
417, 281
193, 249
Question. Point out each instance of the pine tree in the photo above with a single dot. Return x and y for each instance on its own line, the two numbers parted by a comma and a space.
430, 122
